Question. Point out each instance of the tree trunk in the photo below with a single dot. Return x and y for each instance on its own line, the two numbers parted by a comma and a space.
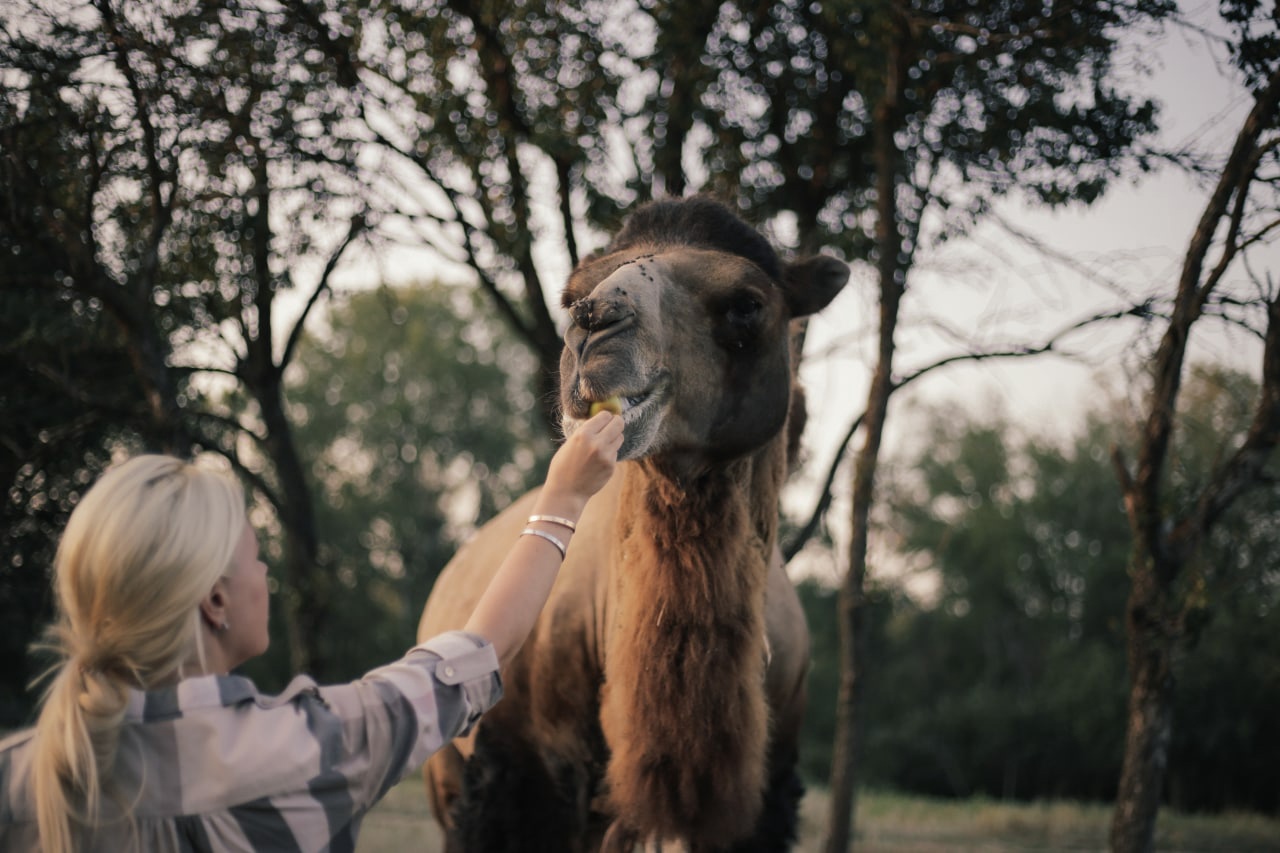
307, 605
1151, 638
848, 742
1163, 543
149, 355
852, 599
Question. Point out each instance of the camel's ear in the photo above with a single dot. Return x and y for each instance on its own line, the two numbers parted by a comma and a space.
811, 283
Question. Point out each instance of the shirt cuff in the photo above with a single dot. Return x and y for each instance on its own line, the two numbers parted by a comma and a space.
470, 662
463, 656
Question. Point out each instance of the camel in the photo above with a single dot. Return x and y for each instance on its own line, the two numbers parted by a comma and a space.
658, 700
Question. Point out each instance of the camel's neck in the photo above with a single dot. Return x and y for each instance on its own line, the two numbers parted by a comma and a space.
698, 550
684, 709
694, 507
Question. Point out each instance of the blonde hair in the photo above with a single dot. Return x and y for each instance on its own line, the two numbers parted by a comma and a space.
143, 548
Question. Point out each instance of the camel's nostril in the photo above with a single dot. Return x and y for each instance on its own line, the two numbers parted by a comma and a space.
580, 312
594, 314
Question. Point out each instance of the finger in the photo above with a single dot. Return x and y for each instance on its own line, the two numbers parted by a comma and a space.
614, 426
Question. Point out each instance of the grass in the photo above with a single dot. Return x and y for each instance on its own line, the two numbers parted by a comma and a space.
895, 823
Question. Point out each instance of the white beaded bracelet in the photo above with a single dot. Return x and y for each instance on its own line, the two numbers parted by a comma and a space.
560, 546
554, 519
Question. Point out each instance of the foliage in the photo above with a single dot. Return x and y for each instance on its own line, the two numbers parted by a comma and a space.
1026, 541
495, 128
981, 99
1008, 680
1255, 40
491, 134
47, 457
66, 393
177, 167
1230, 593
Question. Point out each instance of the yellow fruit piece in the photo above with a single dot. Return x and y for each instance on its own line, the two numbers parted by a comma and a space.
612, 404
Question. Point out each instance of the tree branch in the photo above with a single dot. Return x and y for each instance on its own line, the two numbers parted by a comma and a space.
155, 173
793, 546
802, 536
1188, 305
487, 283
1049, 345
1243, 470
356, 226
231, 423
564, 172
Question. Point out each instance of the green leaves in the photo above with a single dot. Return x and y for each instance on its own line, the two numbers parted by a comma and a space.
1006, 675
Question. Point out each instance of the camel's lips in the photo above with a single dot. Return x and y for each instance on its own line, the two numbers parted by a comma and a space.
635, 405
626, 402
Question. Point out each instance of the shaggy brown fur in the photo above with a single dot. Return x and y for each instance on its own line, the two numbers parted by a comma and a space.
683, 704
661, 693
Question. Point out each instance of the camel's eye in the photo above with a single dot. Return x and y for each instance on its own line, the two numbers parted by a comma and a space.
743, 312
743, 307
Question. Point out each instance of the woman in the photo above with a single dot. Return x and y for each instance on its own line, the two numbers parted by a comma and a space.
143, 740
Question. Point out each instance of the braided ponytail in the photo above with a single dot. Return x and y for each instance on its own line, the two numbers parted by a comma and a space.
140, 552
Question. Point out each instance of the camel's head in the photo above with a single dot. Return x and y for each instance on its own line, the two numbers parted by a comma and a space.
686, 318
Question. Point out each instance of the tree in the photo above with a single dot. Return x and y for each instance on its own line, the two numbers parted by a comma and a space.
1243, 208
173, 169
1003, 670
63, 400
51, 445
1019, 697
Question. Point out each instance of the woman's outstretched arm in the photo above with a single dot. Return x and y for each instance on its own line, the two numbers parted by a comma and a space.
509, 608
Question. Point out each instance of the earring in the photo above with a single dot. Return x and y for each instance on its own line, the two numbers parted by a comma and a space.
224, 626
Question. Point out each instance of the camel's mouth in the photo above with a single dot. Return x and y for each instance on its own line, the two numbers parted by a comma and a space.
633, 406
641, 416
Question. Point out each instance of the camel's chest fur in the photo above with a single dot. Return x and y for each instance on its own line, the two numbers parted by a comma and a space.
683, 706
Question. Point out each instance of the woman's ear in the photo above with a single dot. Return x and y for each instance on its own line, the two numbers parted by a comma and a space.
213, 607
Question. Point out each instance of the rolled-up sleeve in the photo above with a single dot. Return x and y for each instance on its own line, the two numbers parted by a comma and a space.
398, 715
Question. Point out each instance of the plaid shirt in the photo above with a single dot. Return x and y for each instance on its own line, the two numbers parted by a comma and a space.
211, 764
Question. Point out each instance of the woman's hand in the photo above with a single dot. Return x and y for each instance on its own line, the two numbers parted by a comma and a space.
582, 465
